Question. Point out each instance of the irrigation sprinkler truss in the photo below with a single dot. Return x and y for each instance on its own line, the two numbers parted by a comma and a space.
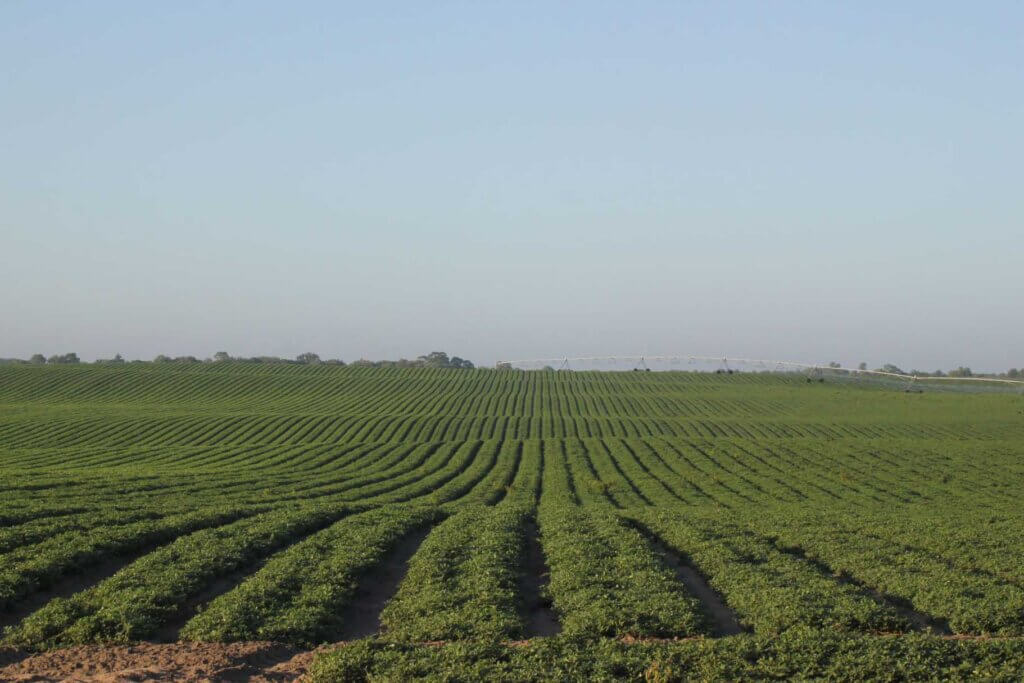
813, 370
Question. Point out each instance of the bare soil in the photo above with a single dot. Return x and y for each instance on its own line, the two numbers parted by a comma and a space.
362, 615
722, 618
253, 661
170, 632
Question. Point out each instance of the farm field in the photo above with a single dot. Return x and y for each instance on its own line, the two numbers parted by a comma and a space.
484, 524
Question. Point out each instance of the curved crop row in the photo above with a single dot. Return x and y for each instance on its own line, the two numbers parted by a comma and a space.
770, 590
136, 601
462, 582
34, 567
299, 596
606, 580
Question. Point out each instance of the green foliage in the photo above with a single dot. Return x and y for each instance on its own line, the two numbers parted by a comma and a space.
133, 603
35, 566
970, 598
771, 591
607, 581
462, 581
299, 595
799, 655
259, 498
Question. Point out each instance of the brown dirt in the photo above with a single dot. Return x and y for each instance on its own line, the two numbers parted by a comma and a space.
361, 618
254, 661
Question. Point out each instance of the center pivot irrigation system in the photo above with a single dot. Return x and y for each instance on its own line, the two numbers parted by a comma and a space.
725, 364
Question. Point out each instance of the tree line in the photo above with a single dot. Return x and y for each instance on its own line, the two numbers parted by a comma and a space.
961, 371
434, 359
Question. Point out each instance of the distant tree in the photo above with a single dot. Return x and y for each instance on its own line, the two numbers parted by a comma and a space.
309, 358
548, 368
221, 356
862, 366
938, 373
890, 368
162, 359
961, 372
1012, 373
834, 364
37, 359
67, 358
435, 359
440, 359
503, 366
186, 359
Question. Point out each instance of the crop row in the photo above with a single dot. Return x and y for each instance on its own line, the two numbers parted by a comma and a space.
196, 432
300, 594
462, 582
29, 533
135, 602
970, 601
606, 579
609, 572
770, 591
804, 655
33, 567
338, 389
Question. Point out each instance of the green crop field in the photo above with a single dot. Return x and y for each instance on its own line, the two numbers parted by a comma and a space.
483, 524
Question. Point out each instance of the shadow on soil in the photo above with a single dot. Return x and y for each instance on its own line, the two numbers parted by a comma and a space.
361, 618
924, 623
539, 619
720, 616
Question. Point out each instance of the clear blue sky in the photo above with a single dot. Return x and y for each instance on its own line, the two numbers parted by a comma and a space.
798, 180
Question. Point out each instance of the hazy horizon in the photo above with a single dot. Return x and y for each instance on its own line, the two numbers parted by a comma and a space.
787, 181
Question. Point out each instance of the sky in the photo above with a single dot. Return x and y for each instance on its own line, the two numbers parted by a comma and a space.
787, 180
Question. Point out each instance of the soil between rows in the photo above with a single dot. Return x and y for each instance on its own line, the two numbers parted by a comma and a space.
70, 584
538, 616
362, 615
